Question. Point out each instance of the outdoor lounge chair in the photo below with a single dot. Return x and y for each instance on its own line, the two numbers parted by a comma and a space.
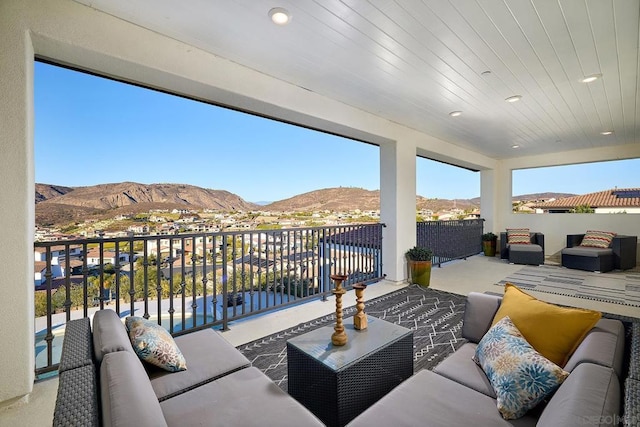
620, 254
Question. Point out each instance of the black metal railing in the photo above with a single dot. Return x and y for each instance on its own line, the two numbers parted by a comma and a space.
451, 240
188, 282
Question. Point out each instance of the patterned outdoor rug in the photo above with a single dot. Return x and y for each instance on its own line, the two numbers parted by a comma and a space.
434, 316
618, 287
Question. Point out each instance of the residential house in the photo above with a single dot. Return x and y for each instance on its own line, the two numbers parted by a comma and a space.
615, 201
362, 70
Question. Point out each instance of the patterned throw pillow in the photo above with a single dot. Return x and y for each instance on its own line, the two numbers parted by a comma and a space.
153, 344
597, 239
518, 236
520, 376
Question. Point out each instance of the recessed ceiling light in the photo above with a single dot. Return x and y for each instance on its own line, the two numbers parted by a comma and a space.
606, 132
514, 98
591, 78
455, 113
515, 146
280, 16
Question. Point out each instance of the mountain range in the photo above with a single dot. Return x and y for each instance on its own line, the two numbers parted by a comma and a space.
56, 205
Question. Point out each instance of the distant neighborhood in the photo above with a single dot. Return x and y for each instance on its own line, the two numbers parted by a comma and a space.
193, 220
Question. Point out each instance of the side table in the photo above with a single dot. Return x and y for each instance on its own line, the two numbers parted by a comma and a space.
337, 383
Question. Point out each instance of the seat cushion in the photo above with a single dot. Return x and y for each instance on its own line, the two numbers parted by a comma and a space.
208, 356
554, 331
531, 248
461, 368
109, 334
244, 398
587, 251
429, 399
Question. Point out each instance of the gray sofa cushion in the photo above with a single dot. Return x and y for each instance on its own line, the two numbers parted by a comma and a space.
460, 367
589, 396
109, 334
208, 355
603, 345
478, 315
586, 251
430, 400
244, 398
127, 396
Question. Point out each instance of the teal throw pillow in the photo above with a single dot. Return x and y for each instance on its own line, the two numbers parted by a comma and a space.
520, 376
153, 344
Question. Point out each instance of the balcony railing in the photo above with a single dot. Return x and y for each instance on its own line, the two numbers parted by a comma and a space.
188, 282
451, 240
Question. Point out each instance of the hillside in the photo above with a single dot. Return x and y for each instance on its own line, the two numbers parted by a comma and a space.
332, 199
351, 198
56, 204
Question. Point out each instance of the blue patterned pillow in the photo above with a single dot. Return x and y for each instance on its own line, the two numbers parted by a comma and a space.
153, 344
520, 376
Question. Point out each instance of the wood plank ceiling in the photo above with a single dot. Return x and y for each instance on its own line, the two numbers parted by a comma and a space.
415, 61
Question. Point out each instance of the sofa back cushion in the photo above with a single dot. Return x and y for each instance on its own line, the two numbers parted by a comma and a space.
478, 315
589, 396
109, 334
126, 393
603, 345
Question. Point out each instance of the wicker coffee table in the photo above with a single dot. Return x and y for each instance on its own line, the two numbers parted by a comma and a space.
338, 383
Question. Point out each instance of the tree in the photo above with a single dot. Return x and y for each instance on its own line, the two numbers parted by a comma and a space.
583, 209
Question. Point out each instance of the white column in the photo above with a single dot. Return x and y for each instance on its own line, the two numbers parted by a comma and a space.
397, 206
17, 206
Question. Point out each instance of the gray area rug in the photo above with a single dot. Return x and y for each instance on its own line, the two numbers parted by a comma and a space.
618, 287
434, 316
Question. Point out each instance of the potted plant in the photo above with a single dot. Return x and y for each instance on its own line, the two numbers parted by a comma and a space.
420, 265
489, 244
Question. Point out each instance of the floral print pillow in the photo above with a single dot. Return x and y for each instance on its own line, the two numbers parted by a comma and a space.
153, 344
520, 376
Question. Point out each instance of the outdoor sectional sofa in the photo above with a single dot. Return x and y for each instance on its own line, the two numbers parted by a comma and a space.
103, 382
458, 393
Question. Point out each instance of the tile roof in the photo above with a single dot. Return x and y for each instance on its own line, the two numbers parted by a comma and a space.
614, 198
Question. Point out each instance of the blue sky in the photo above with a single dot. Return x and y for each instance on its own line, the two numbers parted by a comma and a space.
90, 130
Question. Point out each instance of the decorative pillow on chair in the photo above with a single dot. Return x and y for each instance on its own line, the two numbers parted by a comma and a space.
597, 239
518, 236
520, 376
552, 330
153, 344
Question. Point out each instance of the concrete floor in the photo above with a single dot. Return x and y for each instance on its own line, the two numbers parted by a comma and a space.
475, 274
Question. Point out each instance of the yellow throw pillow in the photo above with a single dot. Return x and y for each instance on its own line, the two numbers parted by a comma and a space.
553, 331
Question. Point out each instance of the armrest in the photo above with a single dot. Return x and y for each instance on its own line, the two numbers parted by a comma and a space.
504, 251
478, 315
624, 252
538, 239
574, 240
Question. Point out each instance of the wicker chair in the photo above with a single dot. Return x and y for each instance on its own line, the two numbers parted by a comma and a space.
532, 254
620, 255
